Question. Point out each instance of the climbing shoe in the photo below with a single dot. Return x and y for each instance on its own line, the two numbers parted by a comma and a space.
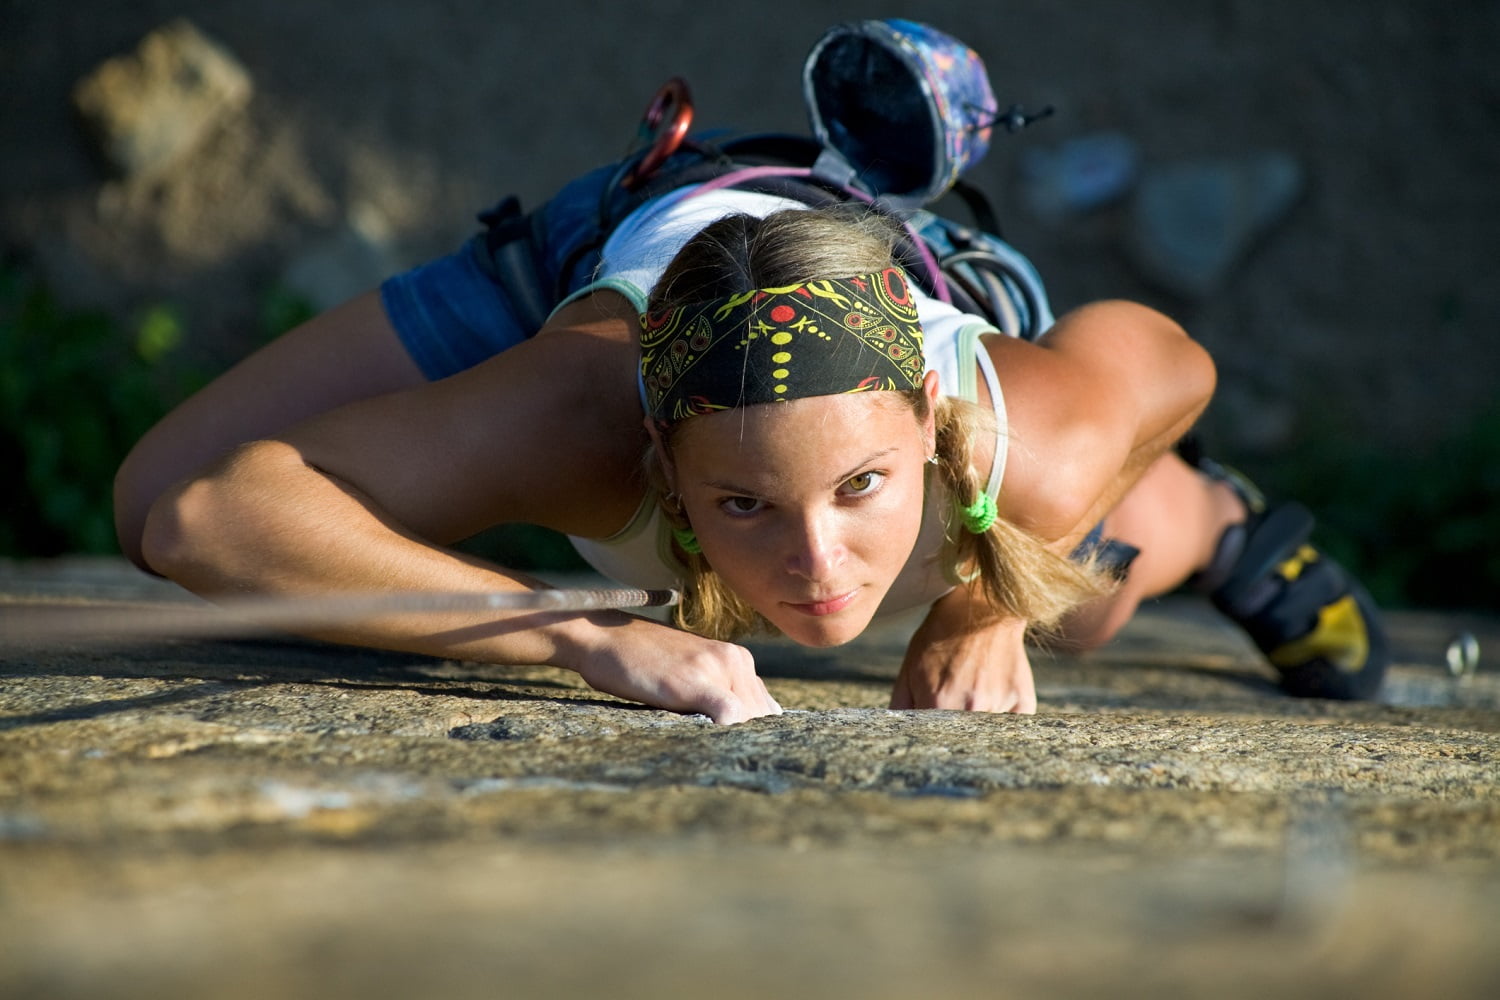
1311, 619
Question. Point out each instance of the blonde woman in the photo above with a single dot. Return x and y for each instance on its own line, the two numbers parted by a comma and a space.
754, 401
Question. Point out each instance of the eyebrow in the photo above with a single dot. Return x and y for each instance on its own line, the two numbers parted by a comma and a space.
735, 488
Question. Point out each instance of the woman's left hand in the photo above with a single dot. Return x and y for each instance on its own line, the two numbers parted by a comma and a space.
954, 662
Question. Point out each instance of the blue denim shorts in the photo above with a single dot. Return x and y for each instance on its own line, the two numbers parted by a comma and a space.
451, 314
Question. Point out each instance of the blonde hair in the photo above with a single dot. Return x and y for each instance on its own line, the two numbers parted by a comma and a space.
1020, 575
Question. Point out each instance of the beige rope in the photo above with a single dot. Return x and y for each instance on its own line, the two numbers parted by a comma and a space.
54, 623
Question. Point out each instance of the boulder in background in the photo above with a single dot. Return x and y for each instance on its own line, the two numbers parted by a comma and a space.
147, 109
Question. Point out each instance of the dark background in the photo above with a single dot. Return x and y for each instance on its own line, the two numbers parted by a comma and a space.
1356, 342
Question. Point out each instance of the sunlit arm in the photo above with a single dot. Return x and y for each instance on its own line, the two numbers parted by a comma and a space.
964, 657
266, 522
1105, 393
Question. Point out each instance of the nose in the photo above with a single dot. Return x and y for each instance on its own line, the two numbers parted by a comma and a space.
816, 549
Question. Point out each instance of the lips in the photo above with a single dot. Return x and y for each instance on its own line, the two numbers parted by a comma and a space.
818, 609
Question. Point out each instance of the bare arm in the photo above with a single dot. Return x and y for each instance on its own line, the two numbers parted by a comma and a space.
962, 657
305, 372
364, 497
1109, 389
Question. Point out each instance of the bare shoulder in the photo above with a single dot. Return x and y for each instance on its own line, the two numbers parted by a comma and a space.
548, 432
1076, 404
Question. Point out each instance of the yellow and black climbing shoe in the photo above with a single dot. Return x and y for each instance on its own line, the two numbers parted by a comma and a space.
1314, 622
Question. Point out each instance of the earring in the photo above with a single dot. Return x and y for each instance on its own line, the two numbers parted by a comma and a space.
932, 459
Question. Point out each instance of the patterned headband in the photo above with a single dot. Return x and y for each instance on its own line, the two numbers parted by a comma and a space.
820, 338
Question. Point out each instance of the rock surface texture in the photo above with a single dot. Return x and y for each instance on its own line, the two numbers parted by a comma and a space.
273, 817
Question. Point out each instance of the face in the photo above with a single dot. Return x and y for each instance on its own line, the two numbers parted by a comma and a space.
808, 509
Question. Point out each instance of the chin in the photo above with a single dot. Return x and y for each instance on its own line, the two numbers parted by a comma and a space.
822, 633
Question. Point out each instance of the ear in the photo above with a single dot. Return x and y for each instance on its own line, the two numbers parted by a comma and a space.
659, 449
933, 392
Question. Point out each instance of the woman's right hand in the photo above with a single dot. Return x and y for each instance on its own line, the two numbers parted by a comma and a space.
672, 669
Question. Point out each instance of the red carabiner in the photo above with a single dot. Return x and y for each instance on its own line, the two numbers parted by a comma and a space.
666, 123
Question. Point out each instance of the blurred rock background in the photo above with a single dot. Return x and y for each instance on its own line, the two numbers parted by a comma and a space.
1309, 188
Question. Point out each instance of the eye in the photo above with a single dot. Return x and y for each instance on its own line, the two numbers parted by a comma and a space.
864, 483
741, 506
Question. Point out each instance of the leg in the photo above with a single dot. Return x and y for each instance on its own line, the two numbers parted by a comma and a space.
349, 353
1313, 621
1175, 516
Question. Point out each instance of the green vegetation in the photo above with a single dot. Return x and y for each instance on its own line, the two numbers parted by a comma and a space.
77, 387
1420, 529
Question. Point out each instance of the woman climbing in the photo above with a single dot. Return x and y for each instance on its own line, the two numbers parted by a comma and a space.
770, 401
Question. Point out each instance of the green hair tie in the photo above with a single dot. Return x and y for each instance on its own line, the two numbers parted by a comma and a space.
687, 541
980, 515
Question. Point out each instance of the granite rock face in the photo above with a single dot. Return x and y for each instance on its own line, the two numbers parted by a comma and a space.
189, 818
